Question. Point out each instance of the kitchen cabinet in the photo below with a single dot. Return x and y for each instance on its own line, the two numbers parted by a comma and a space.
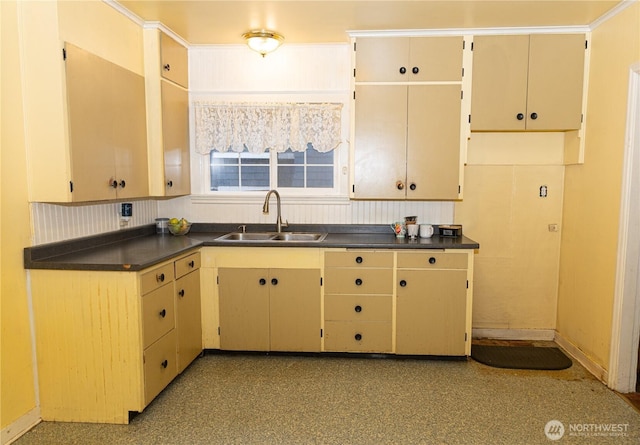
166, 70
358, 301
108, 342
174, 61
527, 82
269, 309
431, 303
107, 129
407, 118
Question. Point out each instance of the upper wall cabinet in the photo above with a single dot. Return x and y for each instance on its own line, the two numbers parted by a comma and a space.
407, 135
107, 129
527, 82
174, 61
166, 72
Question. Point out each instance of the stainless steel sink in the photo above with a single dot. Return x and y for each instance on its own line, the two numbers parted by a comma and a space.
273, 236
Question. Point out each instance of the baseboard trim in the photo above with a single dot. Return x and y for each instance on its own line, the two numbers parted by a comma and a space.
12, 432
515, 334
597, 370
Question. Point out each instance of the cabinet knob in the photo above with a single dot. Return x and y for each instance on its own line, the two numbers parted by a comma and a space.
181, 292
123, 184
415, 70
400, 185
191, 264
160, 278
169, 183
274, 281
167, 67
113, 183
164, 364
519, 116
163, 313
358, 282
358, 337
262, 281
403, 283
358, 308
359, 259
403, 70
432, 260
413, 186
534, 116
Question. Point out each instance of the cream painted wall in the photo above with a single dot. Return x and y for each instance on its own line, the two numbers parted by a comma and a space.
592, 193
516, 267
17, 389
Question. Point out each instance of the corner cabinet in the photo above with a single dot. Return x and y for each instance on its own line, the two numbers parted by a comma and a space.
409, 141
109, 342
528, 82
107, 128
166, 69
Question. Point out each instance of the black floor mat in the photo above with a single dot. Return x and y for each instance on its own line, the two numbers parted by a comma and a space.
520, 357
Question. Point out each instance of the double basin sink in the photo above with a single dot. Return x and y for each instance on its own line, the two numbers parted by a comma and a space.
272, 236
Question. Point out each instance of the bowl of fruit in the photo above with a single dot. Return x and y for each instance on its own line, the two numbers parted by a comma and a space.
179, 226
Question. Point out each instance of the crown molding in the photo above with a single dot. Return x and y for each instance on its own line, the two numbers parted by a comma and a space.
624, 4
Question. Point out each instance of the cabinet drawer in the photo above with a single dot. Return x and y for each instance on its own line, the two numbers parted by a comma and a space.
187, 264
158, 316
156, 277
432, 260
367, 336
358, 259
358, 281
357, 307
159, 365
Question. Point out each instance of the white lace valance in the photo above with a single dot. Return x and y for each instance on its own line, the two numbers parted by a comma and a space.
259, 127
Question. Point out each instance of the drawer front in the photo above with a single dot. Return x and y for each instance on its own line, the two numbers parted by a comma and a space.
358, 281
432, 260
358, 259
187, 264
157, 277
158, 315
357, 307
366, 336
159, 366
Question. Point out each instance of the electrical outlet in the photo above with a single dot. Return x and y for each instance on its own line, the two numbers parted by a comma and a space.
553, 227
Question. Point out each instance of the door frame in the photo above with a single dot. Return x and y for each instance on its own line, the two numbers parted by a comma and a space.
625, 331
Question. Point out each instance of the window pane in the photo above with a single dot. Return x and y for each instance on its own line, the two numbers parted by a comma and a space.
290, 157
255, 178
315, 157
320, 177
290, 176
224, 178
251, 158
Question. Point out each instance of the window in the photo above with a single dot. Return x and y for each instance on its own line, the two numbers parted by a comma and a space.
246, 171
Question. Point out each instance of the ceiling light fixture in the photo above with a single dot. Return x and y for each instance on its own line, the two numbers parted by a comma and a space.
263, 41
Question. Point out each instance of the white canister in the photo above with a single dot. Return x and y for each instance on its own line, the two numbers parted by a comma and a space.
426, 230
412, 230
162, 226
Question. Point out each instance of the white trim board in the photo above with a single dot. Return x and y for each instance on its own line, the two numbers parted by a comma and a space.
24, 423
515, 334
598, 371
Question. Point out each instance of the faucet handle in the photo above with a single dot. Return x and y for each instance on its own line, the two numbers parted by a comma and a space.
285, 223
243, 227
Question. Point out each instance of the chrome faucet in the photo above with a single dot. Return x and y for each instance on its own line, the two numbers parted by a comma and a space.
265, 210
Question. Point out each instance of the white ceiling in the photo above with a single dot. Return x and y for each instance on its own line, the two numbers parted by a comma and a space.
327, 21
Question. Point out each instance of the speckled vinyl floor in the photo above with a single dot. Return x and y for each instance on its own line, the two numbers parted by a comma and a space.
267, 399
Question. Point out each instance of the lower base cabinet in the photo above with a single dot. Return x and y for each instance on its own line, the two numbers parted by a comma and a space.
107, 343
269, 309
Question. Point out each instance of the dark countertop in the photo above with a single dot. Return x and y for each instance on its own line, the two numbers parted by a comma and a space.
139, 248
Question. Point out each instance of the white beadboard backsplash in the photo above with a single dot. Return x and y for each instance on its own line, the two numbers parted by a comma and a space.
53, 222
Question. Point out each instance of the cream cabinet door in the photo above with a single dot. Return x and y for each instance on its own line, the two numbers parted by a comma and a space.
244, 309
431, 312
433, 142
380, 142
523, 82
408, 59
175, 136
294, 310
188, 318
175, 61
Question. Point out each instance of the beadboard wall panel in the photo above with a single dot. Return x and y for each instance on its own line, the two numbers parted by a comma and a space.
53, 222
